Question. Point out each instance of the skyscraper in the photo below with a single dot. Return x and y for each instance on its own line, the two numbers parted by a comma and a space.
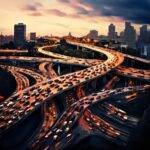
129, 35
111, 32
143, 34
32, 36
19, 34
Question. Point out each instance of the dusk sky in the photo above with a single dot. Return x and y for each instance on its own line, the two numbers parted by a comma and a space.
59, 17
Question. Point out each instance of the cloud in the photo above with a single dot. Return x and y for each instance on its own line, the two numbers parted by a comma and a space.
61, 25
37, 9
29, 7
64, 1
38, 4
33, 9
136, 11
79, 9
56, 12
82, 11
59, 13
35, 14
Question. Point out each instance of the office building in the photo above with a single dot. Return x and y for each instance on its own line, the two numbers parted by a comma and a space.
145, 50
143, 38
111, 32
129, 35
19, 34
32, 36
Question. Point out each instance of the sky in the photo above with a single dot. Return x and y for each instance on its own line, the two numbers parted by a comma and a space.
59, 17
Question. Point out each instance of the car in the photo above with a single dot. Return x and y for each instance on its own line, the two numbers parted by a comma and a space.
35, 91
58, 131
22, 100
10, 122
14, 97
27, 111
11, 110
1, 106
26, 103
55, 137
10, 104
68, 135
14, 118
26, 96
70, 122
48, 134
67, 129
59, 89
46, 94
33, 94
65, 123
2, 117
21, 112
37, 103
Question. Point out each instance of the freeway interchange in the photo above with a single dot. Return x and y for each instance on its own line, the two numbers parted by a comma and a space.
77, 121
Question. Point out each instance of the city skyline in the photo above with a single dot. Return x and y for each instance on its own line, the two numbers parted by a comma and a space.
59, 17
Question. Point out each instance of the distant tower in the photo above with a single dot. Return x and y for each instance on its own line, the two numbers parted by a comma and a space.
143, 34
33, 36
129, 35
19, 34
111, 32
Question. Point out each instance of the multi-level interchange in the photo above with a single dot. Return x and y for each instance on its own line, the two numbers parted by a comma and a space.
64, 102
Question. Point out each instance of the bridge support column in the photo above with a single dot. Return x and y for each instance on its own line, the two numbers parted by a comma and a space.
104, 79
94, 84
59, 71
70, 68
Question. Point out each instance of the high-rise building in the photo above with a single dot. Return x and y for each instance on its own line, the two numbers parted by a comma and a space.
93, 34
111, 32
143, 38
145, 50
33, 36
129, 35
19, 34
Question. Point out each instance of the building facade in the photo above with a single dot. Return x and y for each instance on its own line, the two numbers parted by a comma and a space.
112, 32
33, 36
19, 34
145, 50
129, 35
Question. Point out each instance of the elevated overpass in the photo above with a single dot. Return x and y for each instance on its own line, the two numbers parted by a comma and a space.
34, 98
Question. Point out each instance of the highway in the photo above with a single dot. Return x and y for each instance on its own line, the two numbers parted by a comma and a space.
130, 72
14, 51
134, 73
60, 133
137, 58
38, 78
58, 85
47, 70
126, 71
22, 81
79, 112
